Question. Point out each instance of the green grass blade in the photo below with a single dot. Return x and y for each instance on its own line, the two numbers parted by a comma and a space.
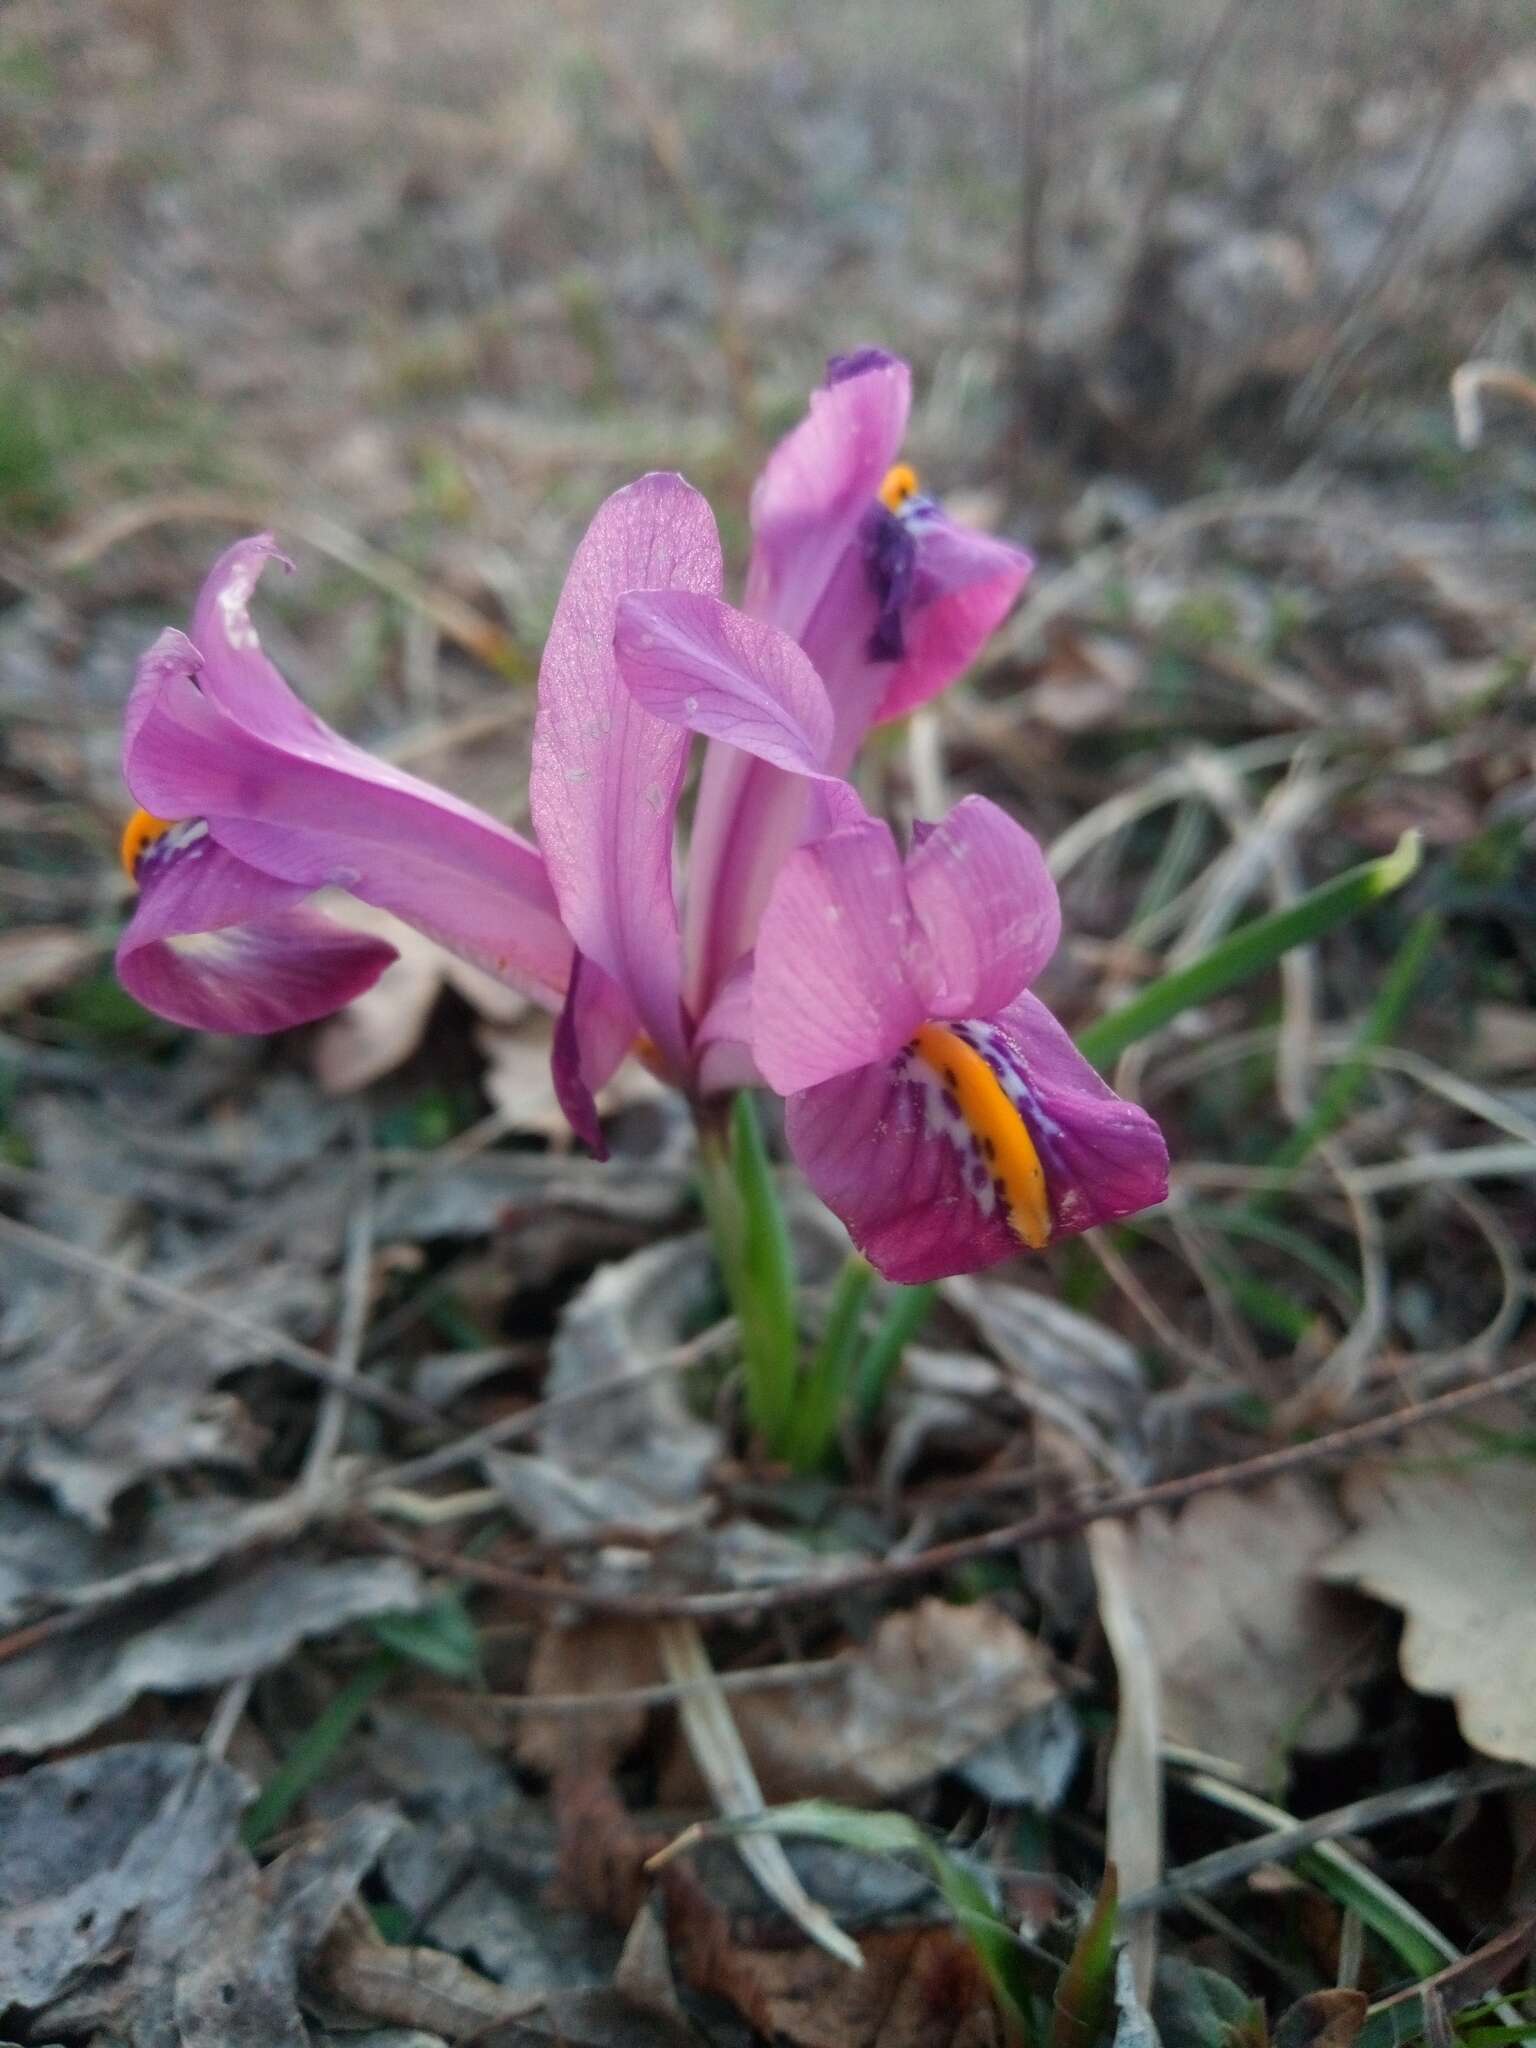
312, 1754
905, 1313
1386, 1013
1084, 2006
812, 1424
1248, 951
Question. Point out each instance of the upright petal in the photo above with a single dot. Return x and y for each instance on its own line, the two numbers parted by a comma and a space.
219, 946
819, 482
984, 896
310, 809
974, 1142
839, 961
606, 772
699, 663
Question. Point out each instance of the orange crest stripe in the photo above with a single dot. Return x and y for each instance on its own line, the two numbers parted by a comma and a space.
1002, 1140
140, 832
900, 484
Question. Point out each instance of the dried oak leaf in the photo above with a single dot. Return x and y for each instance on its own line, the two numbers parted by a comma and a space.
1253, 1653
1450, 1543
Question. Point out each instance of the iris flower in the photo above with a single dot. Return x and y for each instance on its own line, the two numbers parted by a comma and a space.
933, 1102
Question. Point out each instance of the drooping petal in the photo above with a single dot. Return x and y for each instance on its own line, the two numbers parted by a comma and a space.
839, 961
607, 773
1104, 1157
871, 1150
984, 896
820, 480
964, 585
324, 813
699, 663
595, 1029
972, 1143
219, 946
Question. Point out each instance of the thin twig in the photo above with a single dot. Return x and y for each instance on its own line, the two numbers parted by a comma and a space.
1063, 1521
300, 1357
1282, 1845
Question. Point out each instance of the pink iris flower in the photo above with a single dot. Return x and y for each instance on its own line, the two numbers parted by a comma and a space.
933, 1102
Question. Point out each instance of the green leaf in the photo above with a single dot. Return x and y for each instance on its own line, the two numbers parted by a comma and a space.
1380, 1025
741, 1200
1084, 2004
1248, 951
442, 1637
311, 1756
813, 1420
906, 1311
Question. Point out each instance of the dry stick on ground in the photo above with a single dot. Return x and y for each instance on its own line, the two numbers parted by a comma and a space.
1064, 1521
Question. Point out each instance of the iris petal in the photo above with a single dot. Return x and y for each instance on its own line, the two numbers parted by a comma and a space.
217, 945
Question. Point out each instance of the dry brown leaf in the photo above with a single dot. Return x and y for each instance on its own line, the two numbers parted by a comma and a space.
1253, 1653
412, 1987
1450, 1543
921, 1987
383, 1027
931, 1685
1323, 2019
39, 959
592, 1657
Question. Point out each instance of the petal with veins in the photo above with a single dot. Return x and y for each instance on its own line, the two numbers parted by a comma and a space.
937, 1171
701, 664
820, 480
607, 773
984, 896
840, 961
286, 795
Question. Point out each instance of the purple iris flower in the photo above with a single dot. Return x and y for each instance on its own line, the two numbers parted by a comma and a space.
933, 1102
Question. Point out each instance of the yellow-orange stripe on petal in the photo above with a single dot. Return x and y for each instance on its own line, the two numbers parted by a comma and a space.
999, 1132
140, 832
899, 485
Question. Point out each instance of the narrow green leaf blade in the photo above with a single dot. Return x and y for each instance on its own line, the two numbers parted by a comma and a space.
1084, 2004
1248, 951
